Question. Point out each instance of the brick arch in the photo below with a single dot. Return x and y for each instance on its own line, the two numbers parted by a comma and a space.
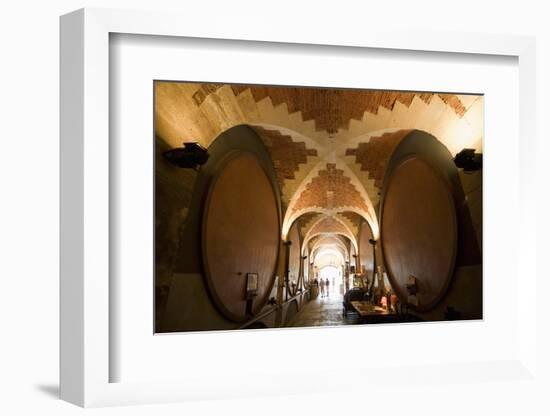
330, 187
306, 221
330, 225
330, 240
329, 249
333, 234
352, 220
318, 212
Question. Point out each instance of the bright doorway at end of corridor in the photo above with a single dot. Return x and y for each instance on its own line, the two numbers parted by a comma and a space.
332, 275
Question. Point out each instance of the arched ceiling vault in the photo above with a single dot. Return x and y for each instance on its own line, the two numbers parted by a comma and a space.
335, 245
345, 248
329, 188
329, 238
329, 146
329, 251
327, 225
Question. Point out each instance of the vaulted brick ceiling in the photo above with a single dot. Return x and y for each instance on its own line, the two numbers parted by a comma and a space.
332, 108
329, 239
352, 218
373, 156
323, 161
329, 225
306, 220
330, 189
333, 240
287, 155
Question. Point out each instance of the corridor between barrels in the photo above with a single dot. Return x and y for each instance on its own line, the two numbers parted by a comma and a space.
321, 312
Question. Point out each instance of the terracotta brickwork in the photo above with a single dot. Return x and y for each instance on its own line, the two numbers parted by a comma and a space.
204, 91
330, 189
374, 155
286, 154
333, 108
305, 222
314, 240
329, 225
354, 219
331, 241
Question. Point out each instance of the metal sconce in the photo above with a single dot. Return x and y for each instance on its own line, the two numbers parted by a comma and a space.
469, 160
191, 156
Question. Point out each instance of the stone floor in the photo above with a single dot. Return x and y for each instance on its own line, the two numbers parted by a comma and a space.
323, 311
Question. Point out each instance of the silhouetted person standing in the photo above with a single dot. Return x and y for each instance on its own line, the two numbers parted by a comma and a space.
322, 284
327, 286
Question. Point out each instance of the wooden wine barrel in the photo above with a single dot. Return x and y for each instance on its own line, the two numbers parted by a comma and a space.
240, 234
418, 230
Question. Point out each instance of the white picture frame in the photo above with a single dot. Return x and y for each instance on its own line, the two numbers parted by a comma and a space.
85, 220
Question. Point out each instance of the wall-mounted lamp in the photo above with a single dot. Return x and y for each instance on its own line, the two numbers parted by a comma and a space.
192, 155
469, 160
